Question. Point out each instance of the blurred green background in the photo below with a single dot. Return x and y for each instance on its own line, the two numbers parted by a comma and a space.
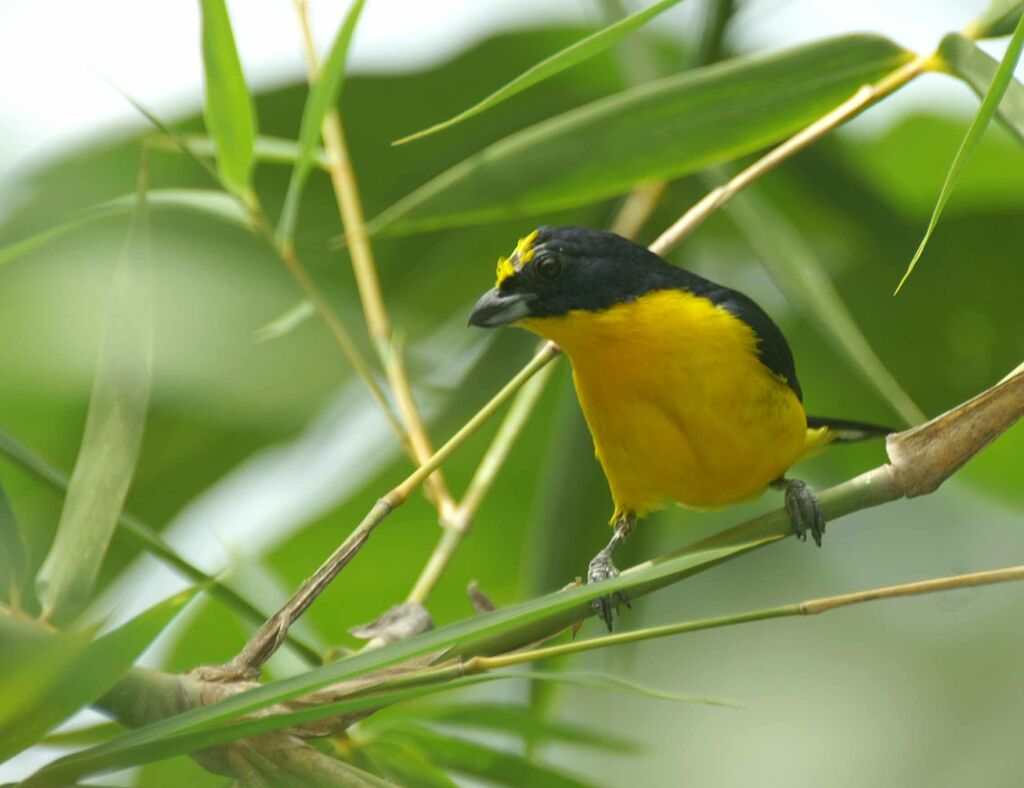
260, 456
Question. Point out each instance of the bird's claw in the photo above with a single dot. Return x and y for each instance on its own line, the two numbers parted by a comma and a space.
602, 568
804, 510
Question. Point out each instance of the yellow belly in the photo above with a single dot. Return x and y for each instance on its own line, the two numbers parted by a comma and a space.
678, 403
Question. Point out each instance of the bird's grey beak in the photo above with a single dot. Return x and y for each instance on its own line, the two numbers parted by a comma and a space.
498, 309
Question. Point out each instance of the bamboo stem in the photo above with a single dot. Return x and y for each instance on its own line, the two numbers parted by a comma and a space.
718, 197
808, 607
346, 191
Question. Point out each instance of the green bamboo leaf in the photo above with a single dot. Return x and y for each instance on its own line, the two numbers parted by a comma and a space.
477, 760
1000, 82
965, 60
285, 323
662, 129
503, 718
212, 725
572, 55
111, 440
230, 116
999, 19
215, 204
13, 555
272, 150
406, 765
798, 272
147, 538
91, 734
323, 95
49, 676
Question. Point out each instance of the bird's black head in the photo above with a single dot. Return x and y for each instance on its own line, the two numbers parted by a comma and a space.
556, 270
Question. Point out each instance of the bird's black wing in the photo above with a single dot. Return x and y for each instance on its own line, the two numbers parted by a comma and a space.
771, 344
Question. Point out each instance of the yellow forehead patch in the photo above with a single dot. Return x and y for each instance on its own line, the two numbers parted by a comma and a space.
523, 253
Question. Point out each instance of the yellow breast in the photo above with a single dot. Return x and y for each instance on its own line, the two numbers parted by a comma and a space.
678, 403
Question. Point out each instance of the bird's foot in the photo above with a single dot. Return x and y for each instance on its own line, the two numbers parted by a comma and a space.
602, 568
804, 510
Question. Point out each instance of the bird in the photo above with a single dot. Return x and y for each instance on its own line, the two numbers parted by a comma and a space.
688, 387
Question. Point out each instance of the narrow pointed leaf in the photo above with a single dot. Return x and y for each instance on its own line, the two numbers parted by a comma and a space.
147, 538
662, 129
477, 760
211, 725
111, 441
967, 61
49, 676
798, 272
322, 97
285, 323
572, 55
1000, 82
503, 718
406, 765
13, 554
230, 116
999, 19
215, 204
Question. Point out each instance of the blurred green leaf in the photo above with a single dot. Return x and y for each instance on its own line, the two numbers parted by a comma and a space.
662, 129
999, 19
966, 60
48, 676
323, 95
989, 105
92, 734
148, 539
111, 441
273, 150
285, 323
798, 272
13, 555
210, 725
570, 56
504, 718
477, 760
230, 116
406, 764
215, 204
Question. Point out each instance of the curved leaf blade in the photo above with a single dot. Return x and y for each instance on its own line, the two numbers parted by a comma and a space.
47, 676
999, 19
1000, 82
111, 441
230, 115
572, 55
323, 95
662, 129
965, 60
211, 725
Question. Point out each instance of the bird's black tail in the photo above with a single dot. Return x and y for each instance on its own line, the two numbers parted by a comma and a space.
849, 431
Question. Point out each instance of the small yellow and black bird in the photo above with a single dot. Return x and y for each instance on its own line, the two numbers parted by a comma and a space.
688, 387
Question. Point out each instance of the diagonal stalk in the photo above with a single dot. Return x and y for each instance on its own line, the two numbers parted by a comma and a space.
346, 191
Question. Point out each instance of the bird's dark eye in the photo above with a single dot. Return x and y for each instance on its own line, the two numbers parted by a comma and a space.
549, 268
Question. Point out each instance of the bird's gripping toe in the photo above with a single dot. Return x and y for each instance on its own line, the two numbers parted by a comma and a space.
804, 509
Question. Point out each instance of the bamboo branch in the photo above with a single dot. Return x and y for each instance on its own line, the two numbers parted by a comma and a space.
859, 101
810, 607
346, 191
266, 640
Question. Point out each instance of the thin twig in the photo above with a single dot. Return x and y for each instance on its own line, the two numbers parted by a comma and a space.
264, 641
346, 191
859, 101
286, 253
486, 472
809, 607
268, 638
